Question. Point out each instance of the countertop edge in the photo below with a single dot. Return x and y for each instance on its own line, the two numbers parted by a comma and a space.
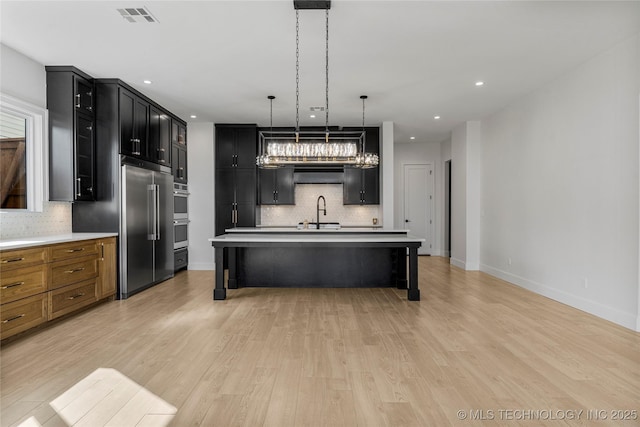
28, 242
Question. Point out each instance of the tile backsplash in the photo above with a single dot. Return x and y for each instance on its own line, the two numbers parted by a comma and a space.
306, 196
54, 219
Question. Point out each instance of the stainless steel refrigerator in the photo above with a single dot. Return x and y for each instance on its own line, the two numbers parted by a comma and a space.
146, 228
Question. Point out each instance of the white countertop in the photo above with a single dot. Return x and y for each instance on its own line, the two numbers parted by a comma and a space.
315, 238
364, 230
26, 242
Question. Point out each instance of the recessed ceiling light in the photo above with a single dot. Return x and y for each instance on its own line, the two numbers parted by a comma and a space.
479, 83
147, 82
436, 117
313, 116
193, 116
413, 137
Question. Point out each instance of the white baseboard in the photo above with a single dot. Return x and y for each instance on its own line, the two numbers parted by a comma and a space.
201, 266
614, 315
464, 265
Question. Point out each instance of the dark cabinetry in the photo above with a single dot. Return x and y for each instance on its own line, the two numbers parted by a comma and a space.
277, 186
235, 176
70, 101
159, 136
362, 186
134, 124
179, 151
236, 146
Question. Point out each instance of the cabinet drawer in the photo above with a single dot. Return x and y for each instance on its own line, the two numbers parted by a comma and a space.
10, 260
23, 314
25, 282
74, 250
72, 271
72, 297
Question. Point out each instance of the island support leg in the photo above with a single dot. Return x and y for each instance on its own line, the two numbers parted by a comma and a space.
413, 293
219, 292
232, 282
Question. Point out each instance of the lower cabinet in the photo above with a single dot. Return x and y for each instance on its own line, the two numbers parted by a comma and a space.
46, 282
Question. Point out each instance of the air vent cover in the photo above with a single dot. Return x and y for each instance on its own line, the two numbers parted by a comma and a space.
137, 14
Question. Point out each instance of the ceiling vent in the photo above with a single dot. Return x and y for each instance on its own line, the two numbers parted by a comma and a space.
316, 109
137, 14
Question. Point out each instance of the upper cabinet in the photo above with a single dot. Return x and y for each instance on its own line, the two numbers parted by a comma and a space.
362, 186
159, 136
71, 105
236, 146
277, 186
134, 124
137, 125
179, 151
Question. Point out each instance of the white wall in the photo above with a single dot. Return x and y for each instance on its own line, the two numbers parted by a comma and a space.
387, 175
200, 152
459, 196
560, 188
25, 79
420, 153
466, 165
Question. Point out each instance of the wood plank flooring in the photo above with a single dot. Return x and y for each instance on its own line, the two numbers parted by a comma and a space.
325, 357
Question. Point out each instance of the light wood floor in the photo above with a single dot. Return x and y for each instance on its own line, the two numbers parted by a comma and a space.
313, 357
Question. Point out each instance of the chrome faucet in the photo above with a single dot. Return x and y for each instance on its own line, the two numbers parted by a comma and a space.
324, 210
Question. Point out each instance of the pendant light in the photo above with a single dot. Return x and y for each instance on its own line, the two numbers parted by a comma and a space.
365, 160
265, 161
308, 147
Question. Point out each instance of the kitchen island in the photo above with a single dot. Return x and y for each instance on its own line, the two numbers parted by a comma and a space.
316, 258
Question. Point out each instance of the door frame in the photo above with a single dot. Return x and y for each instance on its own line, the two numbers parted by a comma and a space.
428, 247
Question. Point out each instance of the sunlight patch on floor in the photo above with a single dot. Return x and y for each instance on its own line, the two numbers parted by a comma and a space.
108, 398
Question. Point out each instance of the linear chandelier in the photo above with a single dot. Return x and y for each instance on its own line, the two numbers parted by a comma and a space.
284, 148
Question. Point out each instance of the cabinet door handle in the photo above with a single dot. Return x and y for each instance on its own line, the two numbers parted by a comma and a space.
75, 270
78, 184
77, 100
4, 261
102, 251
11, 319
90, 108
74, 250
13, 285
75, 296
136, 146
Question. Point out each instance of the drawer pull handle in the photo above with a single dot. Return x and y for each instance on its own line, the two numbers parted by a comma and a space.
74, 250
13, 318
75, 296
4, 261
75, 270
13, 285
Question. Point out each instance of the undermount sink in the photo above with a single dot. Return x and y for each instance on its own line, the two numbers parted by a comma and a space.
323, 226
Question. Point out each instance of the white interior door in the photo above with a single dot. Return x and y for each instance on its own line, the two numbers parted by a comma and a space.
418, 201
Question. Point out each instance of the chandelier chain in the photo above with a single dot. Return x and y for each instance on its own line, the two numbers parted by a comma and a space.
297, 70
326, 110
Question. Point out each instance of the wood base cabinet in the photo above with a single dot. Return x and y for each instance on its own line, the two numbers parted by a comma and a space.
46, 282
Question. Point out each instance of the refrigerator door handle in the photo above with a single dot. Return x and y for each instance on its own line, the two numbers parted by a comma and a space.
157, 212
153, 212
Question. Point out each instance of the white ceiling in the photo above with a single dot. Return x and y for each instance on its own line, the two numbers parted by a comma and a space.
415, 59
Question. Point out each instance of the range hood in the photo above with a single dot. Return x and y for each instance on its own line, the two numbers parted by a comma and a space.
316, 175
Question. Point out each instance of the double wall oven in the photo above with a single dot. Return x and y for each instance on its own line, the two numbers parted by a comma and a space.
180, 225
